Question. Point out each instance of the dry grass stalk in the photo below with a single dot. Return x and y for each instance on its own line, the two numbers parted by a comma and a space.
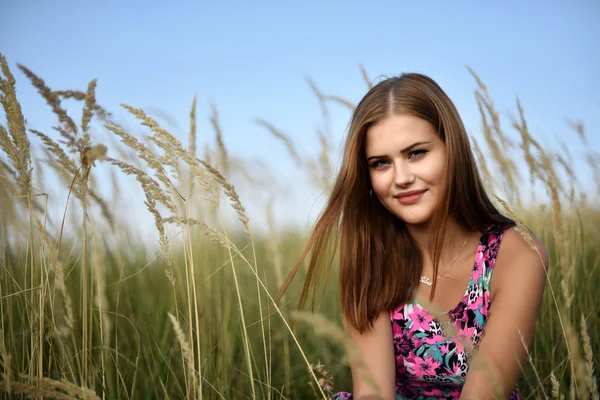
50, 389
51, 98
89, 157
593, 160
340, 100
325, 328
98, 266
164, 140
144, 153
483, 96
526, 142
275, 256
555, 387
7, 146
482, 164
497, 141
507, 167
59, 282
530, 360
90, 102
9, 218
592, 383
17, 149
281, 136
147, 182
192, 143
365, 76
170, 159
223, 154
521, 228
236, 204
327, 171
55, 149
578, 127
6, 358
579, 388
326, 380
207, 230
101, 302
65, 167
158, 221
320, 97
571, 177
186, 348
98, 110
560, 239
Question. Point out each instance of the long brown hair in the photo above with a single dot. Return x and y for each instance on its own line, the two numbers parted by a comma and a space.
380, 263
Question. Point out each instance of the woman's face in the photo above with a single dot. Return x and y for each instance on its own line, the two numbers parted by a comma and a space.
407, 161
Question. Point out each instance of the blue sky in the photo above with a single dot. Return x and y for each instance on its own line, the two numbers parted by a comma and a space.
251, 59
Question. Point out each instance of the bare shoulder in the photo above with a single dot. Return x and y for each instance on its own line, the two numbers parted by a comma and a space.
518, 256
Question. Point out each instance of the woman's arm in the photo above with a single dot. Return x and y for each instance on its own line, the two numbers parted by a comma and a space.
375, 366
517, 287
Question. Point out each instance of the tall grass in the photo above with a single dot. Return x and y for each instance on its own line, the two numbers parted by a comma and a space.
89, 312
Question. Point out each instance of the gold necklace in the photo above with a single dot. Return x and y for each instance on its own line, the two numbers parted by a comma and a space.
426, 281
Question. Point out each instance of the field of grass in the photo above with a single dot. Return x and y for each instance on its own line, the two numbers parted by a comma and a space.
89, 312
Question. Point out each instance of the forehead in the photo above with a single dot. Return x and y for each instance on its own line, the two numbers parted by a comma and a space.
396, 132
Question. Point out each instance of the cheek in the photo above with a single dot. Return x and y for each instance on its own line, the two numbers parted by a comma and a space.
379, 182
435, 170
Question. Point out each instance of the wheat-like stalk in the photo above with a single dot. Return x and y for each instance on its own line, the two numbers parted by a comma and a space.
579, 388
281, 136
52, 99
340, 100
555, 387
192, 146
59, 282
18, 149
236, 204
325, 328
147, 182
144, 153
223, 153
90, 102
481, 163
100, 112
579, 128
530, 360
186, 348
50, 388
164, 139
592, 383
65, 167
207, 230
365, 76
6, 358
326, 379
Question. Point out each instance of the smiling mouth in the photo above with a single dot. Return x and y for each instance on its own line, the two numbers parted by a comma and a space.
410, 197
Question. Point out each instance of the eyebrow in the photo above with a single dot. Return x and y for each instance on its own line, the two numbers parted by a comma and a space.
405, 150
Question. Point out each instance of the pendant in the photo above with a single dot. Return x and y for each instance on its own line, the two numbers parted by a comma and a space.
425, 280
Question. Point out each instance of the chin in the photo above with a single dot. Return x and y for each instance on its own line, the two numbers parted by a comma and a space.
415, 221
413, 216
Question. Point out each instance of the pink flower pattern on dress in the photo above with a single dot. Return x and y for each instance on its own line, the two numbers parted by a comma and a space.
430, 362
420, 319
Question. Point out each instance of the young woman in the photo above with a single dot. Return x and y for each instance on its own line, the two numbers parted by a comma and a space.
439, 291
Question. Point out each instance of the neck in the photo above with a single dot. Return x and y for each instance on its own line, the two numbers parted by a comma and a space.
454, 235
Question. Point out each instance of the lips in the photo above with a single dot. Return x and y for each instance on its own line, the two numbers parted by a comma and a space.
410, 196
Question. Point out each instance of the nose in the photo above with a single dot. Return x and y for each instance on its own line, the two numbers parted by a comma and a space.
404, 176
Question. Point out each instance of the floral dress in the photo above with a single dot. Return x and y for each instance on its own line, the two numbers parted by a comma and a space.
433, 357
